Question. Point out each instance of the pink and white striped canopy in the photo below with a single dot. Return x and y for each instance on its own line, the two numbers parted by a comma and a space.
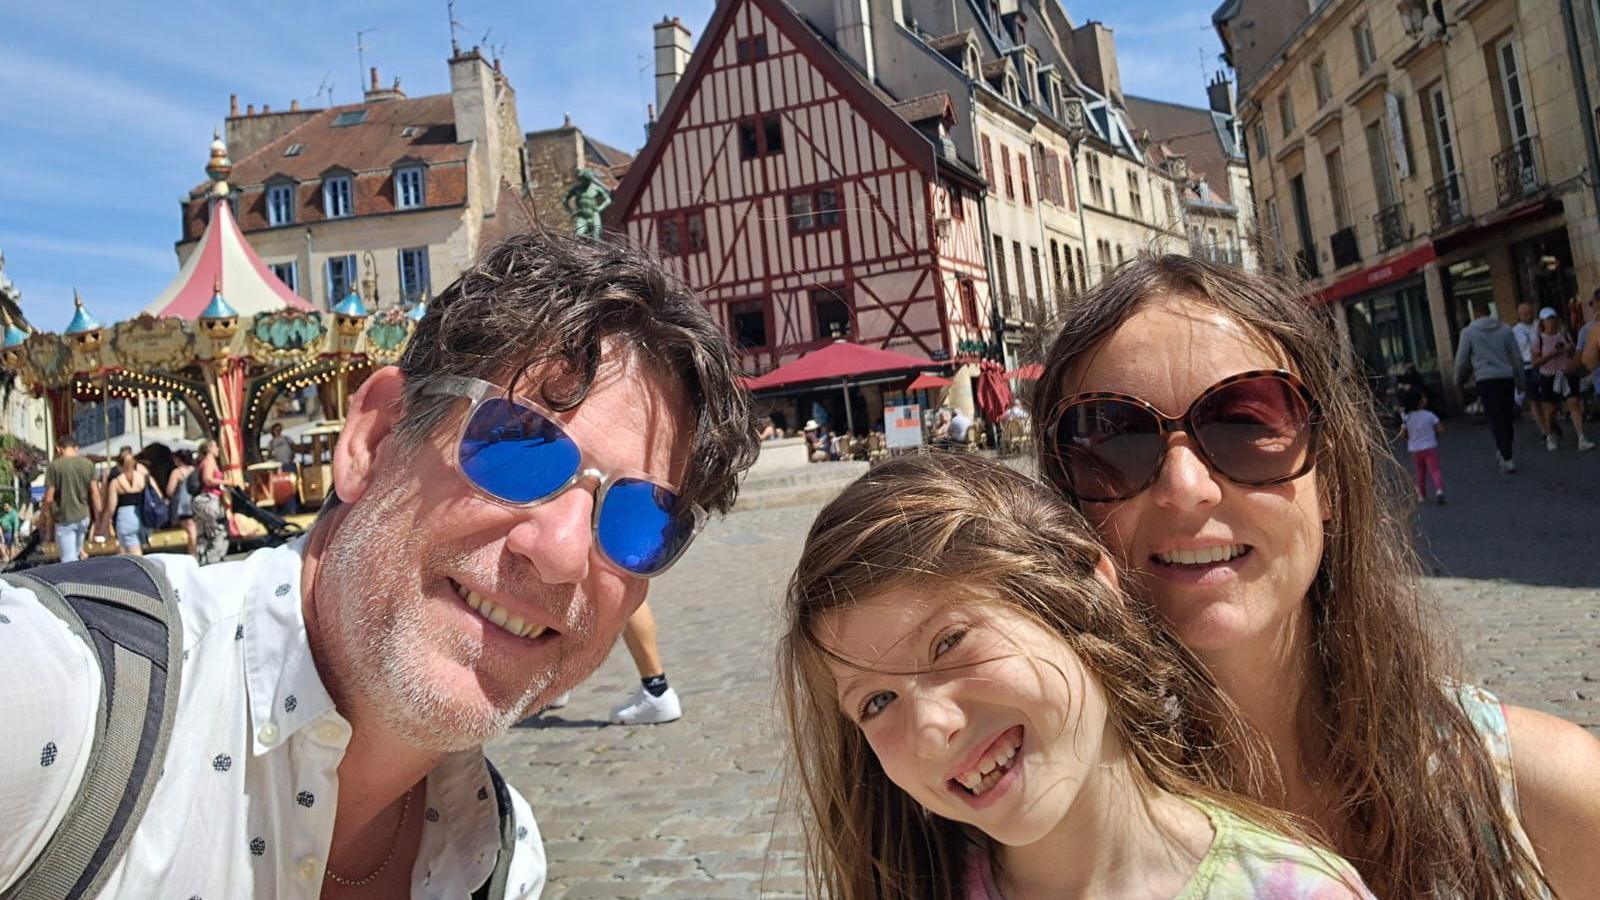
224, 258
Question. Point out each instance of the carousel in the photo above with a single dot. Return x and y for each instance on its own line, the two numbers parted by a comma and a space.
227, 339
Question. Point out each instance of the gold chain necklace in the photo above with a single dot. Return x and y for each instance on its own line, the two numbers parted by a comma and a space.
394, 844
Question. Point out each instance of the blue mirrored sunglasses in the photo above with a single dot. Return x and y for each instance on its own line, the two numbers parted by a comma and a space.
516, 453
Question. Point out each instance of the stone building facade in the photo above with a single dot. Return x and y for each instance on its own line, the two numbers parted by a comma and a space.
394, 193
1412, 159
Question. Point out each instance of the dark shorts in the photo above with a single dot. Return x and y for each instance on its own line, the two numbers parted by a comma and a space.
1547, 391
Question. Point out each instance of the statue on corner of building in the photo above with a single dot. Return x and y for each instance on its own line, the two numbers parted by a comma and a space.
584, 202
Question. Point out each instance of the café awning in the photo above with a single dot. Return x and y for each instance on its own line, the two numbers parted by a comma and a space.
838, 362
929, 382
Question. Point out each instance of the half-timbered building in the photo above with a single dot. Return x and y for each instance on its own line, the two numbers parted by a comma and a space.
804, 202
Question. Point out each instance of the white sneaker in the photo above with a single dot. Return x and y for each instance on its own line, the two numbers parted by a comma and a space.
560, 701
1550, 442
1584, 443
647, 709
1507, 466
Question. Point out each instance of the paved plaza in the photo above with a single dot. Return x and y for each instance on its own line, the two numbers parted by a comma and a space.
692, 809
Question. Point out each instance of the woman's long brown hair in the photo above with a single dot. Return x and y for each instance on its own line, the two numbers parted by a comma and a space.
970, 530
1410, 776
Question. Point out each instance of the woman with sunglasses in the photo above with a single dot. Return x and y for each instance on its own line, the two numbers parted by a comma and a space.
1208, 424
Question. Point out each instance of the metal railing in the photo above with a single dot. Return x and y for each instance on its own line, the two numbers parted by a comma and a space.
1517, 170
1447, 202
1305, 263
1221, 254
1345, 249
1390, 224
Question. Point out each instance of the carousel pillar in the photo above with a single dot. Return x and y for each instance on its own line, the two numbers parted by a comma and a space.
224, 375
349, 321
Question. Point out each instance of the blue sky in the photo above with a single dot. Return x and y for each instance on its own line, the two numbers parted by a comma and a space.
108, 108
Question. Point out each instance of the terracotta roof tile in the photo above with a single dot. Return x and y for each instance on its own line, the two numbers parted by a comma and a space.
1189, 132
378, 142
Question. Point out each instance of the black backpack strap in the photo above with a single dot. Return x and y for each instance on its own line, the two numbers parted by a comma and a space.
495, 887
124, 609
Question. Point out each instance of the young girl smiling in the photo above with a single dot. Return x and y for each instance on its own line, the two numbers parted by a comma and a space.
977, 711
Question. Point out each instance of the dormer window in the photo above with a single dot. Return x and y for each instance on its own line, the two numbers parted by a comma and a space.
294, 149
350, 117
1011, 87
337, 197
409, 187
280, 203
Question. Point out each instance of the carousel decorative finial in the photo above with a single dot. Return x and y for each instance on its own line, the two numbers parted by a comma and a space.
85, 333
218, 308
220, 166
418, 309
15, 336
219, 320
82, 321
351, 306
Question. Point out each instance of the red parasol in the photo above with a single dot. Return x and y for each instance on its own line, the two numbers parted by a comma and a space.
1029, 372
994, 394
929, 382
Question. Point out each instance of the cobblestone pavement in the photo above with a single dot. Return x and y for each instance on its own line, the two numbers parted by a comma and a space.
691, 809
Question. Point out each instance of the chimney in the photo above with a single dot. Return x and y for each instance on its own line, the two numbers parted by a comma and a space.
265, 109
852, 33
233, 106
375, 93
1093, 52
1222, 95
476, 96
294, 106
249, 109
672, 57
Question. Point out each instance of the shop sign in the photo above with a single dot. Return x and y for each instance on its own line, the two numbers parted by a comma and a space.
147, 342
902, 425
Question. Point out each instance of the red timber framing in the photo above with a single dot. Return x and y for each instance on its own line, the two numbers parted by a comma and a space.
898, 251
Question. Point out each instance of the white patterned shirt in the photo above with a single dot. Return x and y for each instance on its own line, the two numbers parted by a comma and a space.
245, 804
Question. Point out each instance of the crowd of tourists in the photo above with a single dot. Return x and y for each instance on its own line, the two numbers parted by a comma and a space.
1191, 658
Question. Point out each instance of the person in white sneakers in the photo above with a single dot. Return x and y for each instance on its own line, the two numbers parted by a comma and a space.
655, 702
1558, 367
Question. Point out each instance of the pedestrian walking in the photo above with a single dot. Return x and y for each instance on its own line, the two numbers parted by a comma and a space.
178, 489
209, 506
72, 498
1204, 420
1027, 730
1487, 354
1421, 429
655, 702
10, 524
1559, 371
1526, 329
125, 501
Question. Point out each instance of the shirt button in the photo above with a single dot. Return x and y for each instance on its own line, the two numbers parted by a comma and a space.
268, 733
308, 866
329, 733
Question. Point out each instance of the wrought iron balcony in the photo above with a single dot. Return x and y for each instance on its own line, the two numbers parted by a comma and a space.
1517, 170
1390, 224
1305, 264
1221, 254
1447, 203
1345, 249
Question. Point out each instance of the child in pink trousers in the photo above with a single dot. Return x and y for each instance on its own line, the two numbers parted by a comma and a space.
1422, 430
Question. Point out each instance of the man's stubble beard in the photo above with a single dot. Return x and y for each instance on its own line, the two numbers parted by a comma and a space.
386, 645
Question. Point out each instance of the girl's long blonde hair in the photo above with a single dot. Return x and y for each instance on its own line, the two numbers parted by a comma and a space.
1388, 738
968, 528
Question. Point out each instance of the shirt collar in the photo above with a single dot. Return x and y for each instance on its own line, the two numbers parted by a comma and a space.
285, 691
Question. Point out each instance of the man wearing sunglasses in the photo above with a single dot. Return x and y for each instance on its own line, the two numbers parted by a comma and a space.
564, 419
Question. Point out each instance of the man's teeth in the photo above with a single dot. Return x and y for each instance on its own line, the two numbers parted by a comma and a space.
501, 619
989, 769
1209, 555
